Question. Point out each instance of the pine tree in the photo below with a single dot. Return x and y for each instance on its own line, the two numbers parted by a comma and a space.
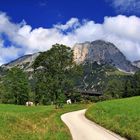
136, 83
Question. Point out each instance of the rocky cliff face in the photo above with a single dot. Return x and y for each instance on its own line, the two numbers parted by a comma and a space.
103, 53
81, 51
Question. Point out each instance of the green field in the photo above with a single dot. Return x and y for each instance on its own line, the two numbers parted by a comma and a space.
34, 123
121, 116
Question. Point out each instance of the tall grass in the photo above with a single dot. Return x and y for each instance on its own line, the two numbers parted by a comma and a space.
34, 123
121, 116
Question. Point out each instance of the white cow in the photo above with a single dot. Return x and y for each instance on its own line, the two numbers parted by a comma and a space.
29, 103
69, 101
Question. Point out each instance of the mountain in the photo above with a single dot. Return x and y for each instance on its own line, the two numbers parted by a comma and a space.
137, 63
101, 61
25, 62
102, 52
98, 51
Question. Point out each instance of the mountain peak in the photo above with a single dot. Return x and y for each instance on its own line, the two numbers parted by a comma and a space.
102, 52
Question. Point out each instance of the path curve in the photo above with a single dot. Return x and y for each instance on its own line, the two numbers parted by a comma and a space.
83, 129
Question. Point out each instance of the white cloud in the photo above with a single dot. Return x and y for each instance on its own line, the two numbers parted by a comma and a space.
7, 27
126, 6
123, 26
8, 53
121, 30
73, 23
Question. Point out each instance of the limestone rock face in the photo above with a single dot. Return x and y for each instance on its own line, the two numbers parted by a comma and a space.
103, 53
81, 51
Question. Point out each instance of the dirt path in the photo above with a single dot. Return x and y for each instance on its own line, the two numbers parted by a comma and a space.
83, 129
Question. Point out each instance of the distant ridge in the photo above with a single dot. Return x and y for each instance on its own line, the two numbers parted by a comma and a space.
25, 62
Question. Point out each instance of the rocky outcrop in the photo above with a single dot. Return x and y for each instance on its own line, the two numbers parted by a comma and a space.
81, 51
103, 53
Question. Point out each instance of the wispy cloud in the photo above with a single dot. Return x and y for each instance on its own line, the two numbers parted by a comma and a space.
121, 30
43, 3
126, 6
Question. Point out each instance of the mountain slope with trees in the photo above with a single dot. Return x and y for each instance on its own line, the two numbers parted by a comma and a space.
56, 76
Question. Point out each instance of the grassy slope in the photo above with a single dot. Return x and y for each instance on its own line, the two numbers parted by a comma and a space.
121, 116
118, 73
34, 123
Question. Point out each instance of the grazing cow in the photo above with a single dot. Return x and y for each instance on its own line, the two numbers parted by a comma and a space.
29, 103
69, 101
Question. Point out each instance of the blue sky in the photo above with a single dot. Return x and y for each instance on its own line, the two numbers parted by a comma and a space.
28, 26
44, 13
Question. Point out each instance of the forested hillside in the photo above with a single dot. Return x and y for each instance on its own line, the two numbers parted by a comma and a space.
56, 77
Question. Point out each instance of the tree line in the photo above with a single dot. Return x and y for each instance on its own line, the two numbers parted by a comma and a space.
125, 86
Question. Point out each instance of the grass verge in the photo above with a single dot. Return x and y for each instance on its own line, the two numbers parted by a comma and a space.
121, 116
34, 123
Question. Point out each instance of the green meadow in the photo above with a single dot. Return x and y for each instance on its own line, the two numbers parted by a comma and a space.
121, 116
43, 122
34, 123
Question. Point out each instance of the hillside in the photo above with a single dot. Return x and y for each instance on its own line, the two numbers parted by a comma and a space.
96, 76
101, 62
121, 116
25, 62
